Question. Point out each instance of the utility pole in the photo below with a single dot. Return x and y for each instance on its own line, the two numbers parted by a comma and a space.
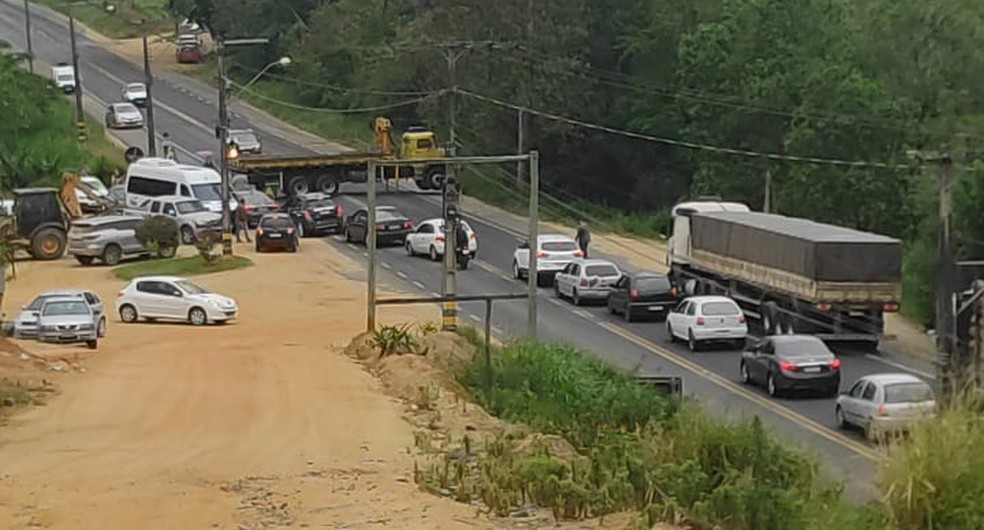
945, 323
222, 133
521, 133
452, 216
521, 145
534, 234
27, 31
371, 247
148, 83
767, 207
79, 112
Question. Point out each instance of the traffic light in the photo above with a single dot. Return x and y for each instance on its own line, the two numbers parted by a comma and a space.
232, 151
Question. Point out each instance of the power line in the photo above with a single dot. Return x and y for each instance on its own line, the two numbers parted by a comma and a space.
337, 88
288, 104
683, 143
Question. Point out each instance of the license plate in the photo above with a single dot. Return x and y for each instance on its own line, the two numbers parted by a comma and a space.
274, 235
811, 369
66, 337
656, 309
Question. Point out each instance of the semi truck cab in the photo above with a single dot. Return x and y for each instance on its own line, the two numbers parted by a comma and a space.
678, 246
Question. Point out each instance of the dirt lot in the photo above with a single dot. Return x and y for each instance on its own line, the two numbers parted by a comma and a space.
263, 423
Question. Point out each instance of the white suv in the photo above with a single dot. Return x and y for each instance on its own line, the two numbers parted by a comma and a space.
703, 319
553, 253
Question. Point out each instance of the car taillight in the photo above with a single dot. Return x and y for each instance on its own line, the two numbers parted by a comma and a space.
786, 366
890, 308
120, 293
634, 293
274, 206
247, 207
823, 307
584, 282
307, 215
741, 319
339, 211
882, 410
835, 364
380, 226
408, 224
673, 290
439, 239
541, 254
290, 230
700, 321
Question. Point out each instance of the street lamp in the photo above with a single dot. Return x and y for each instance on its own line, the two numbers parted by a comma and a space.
79, 112
222, 131
283, 61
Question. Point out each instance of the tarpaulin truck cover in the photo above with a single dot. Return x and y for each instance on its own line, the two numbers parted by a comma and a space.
817, 251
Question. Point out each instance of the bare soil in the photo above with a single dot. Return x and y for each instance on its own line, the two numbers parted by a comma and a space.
261, 423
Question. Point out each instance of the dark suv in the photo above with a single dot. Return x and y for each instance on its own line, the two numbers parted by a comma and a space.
314, 213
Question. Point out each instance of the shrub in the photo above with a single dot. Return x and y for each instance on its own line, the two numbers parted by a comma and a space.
392, 340
207, 245
159, 234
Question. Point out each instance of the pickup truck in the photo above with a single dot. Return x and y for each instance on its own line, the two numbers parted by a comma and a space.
192, 216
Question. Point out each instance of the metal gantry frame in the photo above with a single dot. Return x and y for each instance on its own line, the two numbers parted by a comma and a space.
532, 159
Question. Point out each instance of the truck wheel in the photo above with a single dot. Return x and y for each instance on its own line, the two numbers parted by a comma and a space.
48, 244
435, 180
327, 185
298, 186
422, 184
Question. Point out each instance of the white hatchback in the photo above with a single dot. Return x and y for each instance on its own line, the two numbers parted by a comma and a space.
586, 279
173, 298
703, 319
553, 253
881, 404
428, 238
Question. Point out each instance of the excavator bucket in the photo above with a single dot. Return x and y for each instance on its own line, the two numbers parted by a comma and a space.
70, 182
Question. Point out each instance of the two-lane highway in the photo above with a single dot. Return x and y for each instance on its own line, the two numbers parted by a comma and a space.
185, 110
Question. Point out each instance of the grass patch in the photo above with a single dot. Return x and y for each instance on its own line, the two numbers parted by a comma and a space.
121, 23
189, 266
13, 394
635, 451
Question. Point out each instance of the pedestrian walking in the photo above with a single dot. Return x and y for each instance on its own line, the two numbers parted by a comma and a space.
241, 224
167, 148
583, 237
461, 246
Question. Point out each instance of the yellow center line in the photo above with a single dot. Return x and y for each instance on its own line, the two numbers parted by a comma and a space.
812, 426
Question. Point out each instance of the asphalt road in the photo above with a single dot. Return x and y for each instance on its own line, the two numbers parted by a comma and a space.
186, 109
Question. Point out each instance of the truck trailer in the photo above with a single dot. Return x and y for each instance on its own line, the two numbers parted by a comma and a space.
793, 275
299, 174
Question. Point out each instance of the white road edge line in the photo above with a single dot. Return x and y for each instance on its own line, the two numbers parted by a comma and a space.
418, 285
901, 366
385, 265
475, 318
401, 274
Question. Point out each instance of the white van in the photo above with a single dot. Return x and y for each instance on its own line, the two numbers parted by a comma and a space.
64, 77
149, 178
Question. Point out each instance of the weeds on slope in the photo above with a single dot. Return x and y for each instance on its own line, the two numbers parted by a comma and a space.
635, 450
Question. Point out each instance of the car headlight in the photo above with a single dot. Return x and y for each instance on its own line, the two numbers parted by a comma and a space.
87, 327
214, 303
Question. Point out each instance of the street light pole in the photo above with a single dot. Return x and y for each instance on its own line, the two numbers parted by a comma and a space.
27, 31
79, 116
148, 83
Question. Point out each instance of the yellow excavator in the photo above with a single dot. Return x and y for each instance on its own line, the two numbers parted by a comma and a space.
71, 183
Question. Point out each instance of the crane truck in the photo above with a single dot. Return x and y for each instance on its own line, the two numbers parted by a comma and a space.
299, 174
792, 274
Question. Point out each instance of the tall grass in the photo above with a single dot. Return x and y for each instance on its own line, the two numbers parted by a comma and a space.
665, 460
935, 480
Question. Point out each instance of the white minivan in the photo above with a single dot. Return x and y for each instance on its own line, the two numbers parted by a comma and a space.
150, 178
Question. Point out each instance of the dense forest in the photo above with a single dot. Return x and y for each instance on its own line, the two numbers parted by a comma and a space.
664, 85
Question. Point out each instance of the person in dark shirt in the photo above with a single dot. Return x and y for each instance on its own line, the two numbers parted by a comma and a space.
241, 224
583, 237
461, 245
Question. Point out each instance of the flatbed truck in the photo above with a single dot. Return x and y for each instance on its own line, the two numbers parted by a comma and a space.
791, 274
298, 174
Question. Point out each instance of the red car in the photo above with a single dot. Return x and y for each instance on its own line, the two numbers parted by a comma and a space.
190, 55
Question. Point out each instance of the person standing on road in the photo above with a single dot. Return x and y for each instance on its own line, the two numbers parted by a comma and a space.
461, 245
583, 237
167, 148
241, 224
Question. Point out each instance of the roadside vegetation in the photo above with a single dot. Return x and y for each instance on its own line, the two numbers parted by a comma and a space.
588, 441
833, 80
189, 266
37, 132
124, 21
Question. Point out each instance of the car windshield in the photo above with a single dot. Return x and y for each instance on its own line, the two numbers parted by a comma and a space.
244, 138
327, 203
600, 270
190, 288
126, 109
652, 285
277, 223
558, 246
208, 192
802, 347
191, 207
908, 392
37, 303
713, 309
64, 308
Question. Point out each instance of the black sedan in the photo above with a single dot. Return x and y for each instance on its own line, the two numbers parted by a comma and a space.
392, 226
276, 231
256, 204
642, 295
791, 362
314, 213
